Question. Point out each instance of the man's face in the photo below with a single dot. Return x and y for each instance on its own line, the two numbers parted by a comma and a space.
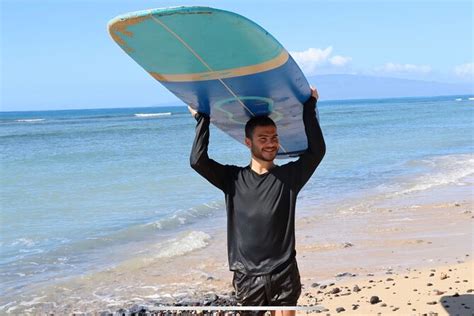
264, 143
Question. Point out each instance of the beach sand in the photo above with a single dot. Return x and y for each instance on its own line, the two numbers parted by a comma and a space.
442, 290
396, 248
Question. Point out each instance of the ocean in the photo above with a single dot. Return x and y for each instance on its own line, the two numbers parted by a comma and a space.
83, 190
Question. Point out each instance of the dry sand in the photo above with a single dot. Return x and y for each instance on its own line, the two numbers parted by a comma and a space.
445, 290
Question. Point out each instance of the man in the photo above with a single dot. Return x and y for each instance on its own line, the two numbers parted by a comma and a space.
260, 202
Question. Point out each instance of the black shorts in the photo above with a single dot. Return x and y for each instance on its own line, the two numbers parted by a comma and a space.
279, 288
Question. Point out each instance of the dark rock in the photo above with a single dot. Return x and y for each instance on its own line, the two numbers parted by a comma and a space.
470, 291
331, 284
389, 279
315, 285
383, 305
429, 284
456, 294
432, 303
340, 309
432, 274
322, 287
335, 290
374, 300
395, 309
355, 306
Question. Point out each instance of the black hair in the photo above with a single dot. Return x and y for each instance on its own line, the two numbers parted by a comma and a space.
257, 121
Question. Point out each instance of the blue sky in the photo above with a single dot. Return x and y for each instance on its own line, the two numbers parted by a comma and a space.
58, 54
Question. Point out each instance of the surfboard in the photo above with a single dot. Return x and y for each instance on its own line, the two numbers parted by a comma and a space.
222, 64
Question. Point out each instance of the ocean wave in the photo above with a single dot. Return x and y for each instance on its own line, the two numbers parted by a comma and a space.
444, 170
183, 217
151, 115
470, 99
431, 173
184, 244
29, 120
26, 242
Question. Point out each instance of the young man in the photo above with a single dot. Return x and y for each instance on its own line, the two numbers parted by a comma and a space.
260, 201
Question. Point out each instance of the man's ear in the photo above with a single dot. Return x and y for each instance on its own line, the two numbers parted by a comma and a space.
248, 142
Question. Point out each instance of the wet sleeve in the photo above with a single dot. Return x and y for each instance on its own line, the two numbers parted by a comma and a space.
304, 167
213, 171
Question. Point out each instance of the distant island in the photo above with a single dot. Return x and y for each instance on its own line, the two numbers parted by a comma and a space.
344, 87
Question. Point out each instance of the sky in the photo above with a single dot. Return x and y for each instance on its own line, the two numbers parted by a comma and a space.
59, 55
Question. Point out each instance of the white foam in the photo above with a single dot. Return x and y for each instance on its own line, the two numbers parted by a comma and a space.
30, 120
34, 301
184, 244
458, 99
446, 170
23, 242
470, 99
148, 115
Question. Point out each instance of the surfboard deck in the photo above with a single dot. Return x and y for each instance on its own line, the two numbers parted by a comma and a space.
222, 64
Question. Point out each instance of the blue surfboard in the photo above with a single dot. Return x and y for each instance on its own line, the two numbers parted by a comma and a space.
222, 64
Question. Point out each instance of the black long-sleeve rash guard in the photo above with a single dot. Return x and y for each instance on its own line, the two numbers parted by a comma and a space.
260, 207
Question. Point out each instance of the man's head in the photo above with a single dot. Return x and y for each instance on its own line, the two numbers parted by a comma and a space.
262, 138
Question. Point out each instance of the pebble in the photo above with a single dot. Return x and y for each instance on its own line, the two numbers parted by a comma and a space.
315, 285
456, 294
335, 290
432, 303
340, 309
355, 306
374, 300
356, 288
429, 284
345, 274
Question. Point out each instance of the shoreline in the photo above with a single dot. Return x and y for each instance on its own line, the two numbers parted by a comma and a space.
393, 236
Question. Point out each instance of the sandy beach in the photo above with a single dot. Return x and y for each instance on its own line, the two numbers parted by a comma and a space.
414, 253
436, 290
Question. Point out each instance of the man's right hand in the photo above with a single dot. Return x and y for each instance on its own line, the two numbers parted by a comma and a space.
192, 111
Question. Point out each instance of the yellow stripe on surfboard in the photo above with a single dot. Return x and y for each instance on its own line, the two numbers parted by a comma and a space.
223, 74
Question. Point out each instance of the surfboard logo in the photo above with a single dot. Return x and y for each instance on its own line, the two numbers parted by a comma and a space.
258, 106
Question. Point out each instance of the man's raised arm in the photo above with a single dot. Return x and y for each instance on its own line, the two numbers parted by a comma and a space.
310, 159
213, 171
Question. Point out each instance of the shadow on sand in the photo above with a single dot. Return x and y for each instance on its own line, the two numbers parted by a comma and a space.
458, 305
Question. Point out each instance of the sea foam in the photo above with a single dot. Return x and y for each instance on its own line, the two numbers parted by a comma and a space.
184, 244
151, 115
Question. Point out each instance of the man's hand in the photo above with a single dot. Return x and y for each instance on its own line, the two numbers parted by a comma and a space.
192, 111
314, 93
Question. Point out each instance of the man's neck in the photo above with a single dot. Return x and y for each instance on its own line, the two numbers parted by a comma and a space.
261, 166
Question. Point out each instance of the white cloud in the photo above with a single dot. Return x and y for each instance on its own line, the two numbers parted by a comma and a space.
464, 70
404, 68
339, 60
313, 59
